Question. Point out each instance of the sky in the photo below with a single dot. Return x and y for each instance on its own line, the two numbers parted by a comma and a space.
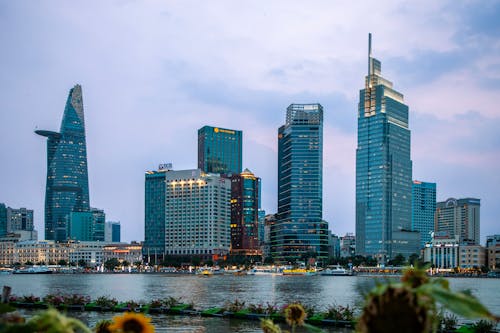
154, 72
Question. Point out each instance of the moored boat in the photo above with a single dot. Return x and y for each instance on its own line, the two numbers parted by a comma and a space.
336, 270
33, 270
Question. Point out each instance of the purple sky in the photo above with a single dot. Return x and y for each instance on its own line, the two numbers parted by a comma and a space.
154, 72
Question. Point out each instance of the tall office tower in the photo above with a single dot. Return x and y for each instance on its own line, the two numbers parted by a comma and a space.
245, 213
383, 169
219, 150
3, 220
300, 232
423, 208
67, 188
188, 213
459, 218
112, 232
19, 219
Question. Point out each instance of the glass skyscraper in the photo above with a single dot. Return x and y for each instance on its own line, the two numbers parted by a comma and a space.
300, 231
245, 213
383, 168
423, 209
67, 188
219, 150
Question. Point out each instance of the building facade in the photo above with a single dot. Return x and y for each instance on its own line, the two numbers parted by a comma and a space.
112, 232
188, 213
300, 230
67, 188
471, 257
383, 166
87, 226
245, 214
459, 218
423, 209
3, 220
219, 150
19, 219
442, 252
131, 253
493, 252
347, 245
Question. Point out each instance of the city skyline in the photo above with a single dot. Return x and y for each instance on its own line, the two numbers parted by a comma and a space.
150, 85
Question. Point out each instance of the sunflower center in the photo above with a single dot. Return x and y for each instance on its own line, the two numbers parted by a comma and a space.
133, 325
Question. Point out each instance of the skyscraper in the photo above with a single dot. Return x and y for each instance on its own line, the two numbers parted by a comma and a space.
219, 150
423, 208
459, 218
67, 188
245, 213
383, 168
300, 231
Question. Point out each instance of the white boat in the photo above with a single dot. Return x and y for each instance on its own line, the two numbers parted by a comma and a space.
335, 270
33, 270
263, 270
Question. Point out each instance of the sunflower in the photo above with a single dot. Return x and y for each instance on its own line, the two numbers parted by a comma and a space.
131, 322
295, 315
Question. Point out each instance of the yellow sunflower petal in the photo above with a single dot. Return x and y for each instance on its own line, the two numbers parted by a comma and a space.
131, 322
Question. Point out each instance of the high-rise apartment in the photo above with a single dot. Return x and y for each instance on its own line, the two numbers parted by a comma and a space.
188, 213
300, 232
67, 188
459, 218
423, 208
245, 213
383, 169
219, 150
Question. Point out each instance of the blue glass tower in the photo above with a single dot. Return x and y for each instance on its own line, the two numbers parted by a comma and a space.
67, 188
219, 150
423, 209
300, 231
383, 168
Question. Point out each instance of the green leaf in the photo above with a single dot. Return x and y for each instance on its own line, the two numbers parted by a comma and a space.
462, 304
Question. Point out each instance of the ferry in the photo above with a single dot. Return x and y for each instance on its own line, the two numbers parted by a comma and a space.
33, 270
336, 270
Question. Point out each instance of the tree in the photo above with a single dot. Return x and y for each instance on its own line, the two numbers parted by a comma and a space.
125, 263
111, 264
82, 263
29, 263
399, 260
414, 259
62, 262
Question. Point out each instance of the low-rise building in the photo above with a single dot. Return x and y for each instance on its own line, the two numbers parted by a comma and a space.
493, 252
123, 252
471, 256
442, 252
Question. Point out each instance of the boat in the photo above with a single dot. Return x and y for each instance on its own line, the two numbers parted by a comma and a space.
33, 270
299, 271
263, 270
336, 270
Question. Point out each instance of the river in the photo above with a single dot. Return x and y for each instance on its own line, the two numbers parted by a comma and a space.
205, 292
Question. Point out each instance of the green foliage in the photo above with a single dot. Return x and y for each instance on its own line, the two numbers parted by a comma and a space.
463, 304
483, 326
111, 264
